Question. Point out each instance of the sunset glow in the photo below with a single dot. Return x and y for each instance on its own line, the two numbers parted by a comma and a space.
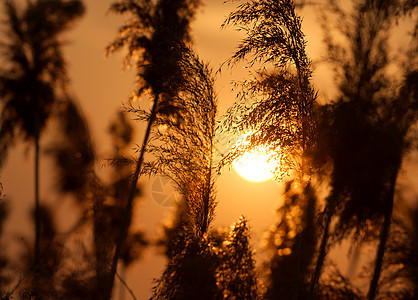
256, 164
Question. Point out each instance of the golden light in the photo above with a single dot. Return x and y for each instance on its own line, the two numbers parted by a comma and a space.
257, 164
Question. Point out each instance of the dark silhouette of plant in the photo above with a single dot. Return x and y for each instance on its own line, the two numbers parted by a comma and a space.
400, 265
368, 125
236, 274
187, 273
169, 242
151, 36
184, 149
274, 109
185, 146
190, 273
121, 131
275, 106
224, 269
44, 283
34, 78
335, 286
102, 203
292, 241
74, 155
40, 281
110, 210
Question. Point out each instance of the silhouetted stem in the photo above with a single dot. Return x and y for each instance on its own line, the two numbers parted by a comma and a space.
127, 215
37, 206
123, 286
206, 198
321, 255
206, 209
298, 263
100, 239
302, 112
381, 250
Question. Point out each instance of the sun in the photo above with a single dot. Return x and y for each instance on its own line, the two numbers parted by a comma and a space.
257, 164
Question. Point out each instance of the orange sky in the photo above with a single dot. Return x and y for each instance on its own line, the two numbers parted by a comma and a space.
101, 87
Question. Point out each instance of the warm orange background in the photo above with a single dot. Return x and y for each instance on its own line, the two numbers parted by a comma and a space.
101, 87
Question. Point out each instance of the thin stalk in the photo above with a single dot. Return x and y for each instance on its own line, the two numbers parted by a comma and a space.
122, 287
321, 255
37, 205
299, 242
207, 194
381, 250
127, 215
205, 224
100, 239
298, 263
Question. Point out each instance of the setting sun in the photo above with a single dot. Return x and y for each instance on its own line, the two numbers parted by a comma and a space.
256, 164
